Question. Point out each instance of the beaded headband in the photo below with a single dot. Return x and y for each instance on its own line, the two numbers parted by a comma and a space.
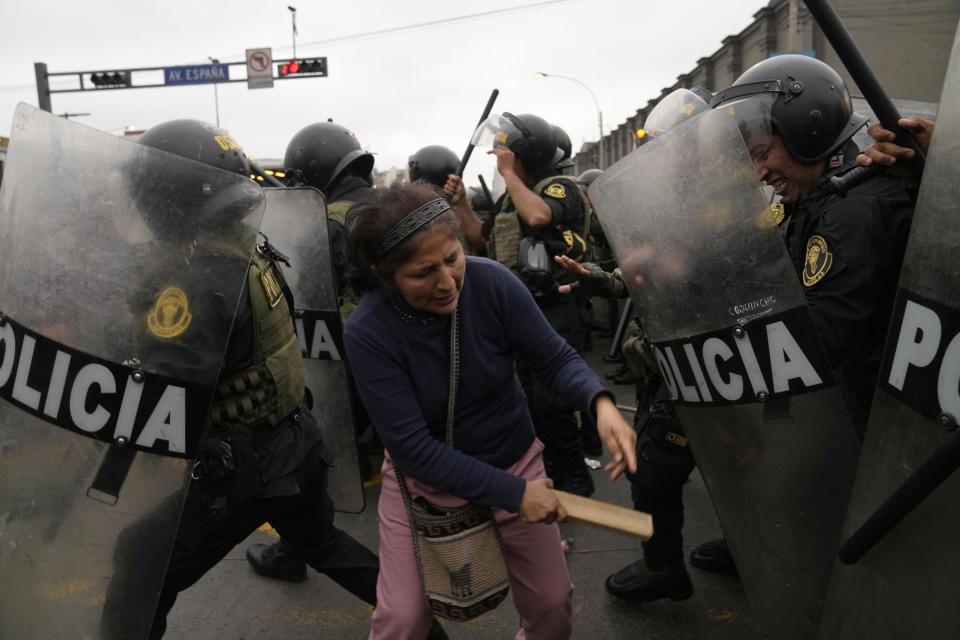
414, 221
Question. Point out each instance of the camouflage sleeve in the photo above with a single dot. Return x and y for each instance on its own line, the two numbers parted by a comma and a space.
637, 351
602, 284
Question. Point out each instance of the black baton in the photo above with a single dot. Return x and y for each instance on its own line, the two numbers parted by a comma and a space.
486, 112
828, 20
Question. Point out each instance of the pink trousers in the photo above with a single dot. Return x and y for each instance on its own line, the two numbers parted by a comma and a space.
539, 581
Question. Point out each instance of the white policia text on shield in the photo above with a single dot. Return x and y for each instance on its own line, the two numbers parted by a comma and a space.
97, 430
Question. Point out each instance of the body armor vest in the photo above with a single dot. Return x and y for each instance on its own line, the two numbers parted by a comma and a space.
349, 298
504, 243
271, 388
338, 210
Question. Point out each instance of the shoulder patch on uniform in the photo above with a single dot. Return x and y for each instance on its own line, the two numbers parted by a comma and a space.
556, 190
270, 280
776, 212
817, 262
171, 314
576, 246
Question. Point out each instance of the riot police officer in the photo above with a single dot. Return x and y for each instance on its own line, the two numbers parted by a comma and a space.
433, 164
664, 459
846, 250
263, 458
602, 255
795, 116
330, 158
541, 209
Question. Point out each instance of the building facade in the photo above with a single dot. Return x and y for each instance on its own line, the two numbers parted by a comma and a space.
906, 42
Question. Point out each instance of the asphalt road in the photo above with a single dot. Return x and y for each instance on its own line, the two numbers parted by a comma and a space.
233, 603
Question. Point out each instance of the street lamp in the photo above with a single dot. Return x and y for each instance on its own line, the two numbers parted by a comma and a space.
541, 74
293, 20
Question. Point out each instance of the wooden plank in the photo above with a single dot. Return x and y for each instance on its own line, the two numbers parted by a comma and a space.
606, 515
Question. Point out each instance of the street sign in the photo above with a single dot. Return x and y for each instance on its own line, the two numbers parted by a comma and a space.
197, 74
259, 71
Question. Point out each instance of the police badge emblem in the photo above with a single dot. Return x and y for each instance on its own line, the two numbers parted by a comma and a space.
556, 190
171, 314
818, 261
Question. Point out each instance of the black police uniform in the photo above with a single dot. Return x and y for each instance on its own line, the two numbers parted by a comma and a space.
554, 417
247, 474
847, 252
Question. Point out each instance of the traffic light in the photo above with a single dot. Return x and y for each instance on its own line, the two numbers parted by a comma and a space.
309, 66
110, 79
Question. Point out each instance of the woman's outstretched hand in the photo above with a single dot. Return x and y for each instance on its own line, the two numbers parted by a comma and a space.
618, 436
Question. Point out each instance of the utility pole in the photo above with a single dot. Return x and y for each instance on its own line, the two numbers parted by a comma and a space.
216, 95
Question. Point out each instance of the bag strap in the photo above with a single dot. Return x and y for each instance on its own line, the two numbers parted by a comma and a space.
454, 372
451, 396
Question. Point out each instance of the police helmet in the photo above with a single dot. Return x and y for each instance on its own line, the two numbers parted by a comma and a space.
586, 178
199, 141
479, 201
532, 140
566, 149
433, 164
809, 105
320, 153
177, 201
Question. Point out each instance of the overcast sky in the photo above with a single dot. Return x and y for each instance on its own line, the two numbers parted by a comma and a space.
398, 91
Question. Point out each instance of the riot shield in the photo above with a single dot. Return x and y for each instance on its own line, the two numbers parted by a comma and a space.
296, 224
97, 429
902, 582
716, 292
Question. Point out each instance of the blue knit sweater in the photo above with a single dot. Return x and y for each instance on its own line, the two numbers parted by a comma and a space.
400, 359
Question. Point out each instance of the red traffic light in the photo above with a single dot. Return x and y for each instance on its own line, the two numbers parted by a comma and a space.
306, 66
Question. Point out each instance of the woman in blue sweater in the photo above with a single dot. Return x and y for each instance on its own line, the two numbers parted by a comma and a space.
397, 341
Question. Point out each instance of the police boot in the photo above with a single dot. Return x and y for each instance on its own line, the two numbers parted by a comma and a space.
714, 556
619, 371
638, 582
277, 561
625, 376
